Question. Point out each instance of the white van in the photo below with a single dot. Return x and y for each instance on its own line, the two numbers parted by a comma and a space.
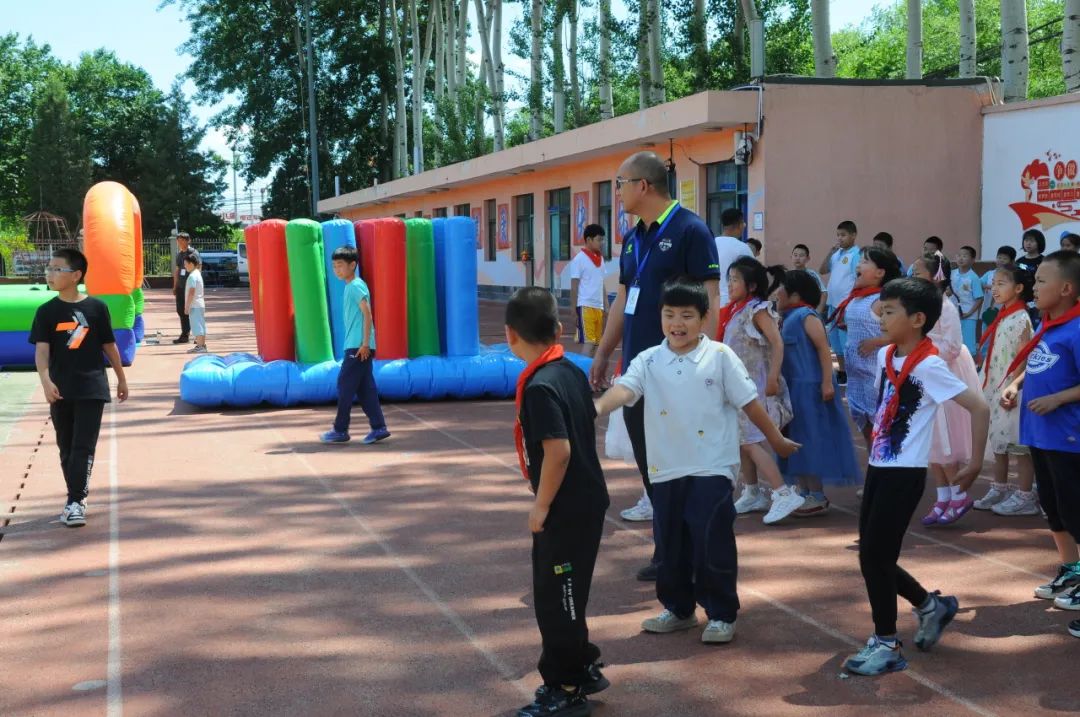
242, 263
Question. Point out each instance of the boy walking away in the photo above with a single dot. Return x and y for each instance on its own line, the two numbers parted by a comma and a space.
693, 389
1050, 416
70, 333
194, 301
555, 437
912, 382
357, 377
587, 288
840, 265
968, 290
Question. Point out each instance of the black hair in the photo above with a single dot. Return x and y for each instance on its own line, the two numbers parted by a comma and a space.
885, 238
345, 253
801, 246
917, 296
801, 282
1073, 239
75, 259
1007, 251
1023, 278
936, 241
1069, 264
685, 291
533, 314
756, 276
593, 230
885, 260
935, 264
1038, 236
731, 216
754, 243
192, 256
847, 226
969, 250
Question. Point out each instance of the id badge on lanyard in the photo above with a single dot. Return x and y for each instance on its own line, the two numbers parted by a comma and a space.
635, 291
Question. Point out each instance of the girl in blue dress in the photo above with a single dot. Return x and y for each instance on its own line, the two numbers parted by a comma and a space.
819, 422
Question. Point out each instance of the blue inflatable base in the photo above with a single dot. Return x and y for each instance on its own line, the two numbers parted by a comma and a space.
16, 349
242, 380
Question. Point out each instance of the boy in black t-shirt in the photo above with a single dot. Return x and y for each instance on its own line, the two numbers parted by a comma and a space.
555, 437
71, 332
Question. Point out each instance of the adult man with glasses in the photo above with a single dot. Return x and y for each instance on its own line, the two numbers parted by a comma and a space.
668, 241
179, 282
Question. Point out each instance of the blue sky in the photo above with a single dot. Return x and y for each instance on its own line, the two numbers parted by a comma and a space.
141, 33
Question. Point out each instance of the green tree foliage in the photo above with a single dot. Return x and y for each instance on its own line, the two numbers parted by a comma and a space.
57, 157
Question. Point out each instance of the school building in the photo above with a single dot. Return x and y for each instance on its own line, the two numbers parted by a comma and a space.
796, 155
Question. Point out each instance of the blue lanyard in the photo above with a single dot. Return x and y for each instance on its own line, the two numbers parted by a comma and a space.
659, 232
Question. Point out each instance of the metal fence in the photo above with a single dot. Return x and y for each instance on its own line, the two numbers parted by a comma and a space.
159, 252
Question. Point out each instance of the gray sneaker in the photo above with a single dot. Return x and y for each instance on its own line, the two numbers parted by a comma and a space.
876, 658
1066, 579
74, 515
667, 621
1018, 503
933, 619
718, 631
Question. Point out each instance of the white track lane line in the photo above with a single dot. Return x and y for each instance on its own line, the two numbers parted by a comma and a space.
114, 695
453, 617
774, 602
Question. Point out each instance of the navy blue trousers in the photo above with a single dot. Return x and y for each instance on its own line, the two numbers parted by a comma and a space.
357, 380
694, 530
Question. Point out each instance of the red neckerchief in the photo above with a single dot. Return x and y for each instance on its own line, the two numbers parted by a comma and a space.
594, 255
991, 331
1046, 325
553, 353
924, 349
838, 313
727, 313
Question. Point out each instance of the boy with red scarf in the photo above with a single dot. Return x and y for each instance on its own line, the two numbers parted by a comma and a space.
913, 381
587, 294
555, 437
1050, 416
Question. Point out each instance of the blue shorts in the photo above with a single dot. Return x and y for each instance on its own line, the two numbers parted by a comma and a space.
837, 336
198, 322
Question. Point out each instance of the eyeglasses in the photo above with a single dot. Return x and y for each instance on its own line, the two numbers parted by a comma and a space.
59, 270
620, 181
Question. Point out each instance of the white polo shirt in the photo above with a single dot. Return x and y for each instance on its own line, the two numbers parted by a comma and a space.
691, 409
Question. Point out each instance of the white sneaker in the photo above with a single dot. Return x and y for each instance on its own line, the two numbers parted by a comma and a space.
752, 500
667, 621
1068, 600
993, 496
1018, 503
74, 515
641, 512
784, 502
718, 631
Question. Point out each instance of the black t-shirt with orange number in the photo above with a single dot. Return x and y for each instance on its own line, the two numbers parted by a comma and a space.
76, 332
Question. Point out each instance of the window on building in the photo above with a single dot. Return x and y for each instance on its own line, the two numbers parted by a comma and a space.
400, 216
439, 213
725, 186
491, 245
559, 223
462, 210
419, 214
523, 225
603, 215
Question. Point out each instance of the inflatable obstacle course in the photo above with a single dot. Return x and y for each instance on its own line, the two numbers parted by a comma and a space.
423, 279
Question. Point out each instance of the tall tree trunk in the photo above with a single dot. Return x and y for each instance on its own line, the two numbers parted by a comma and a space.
384, 172
536, 75
644, 77
500, 70
575, 81
824, 60
1014, 49
607, 101
1070, 46
401, 141
699, 46
435, 15
968, 46
462, 51
558, 72
656, 47
421, 59
914, 40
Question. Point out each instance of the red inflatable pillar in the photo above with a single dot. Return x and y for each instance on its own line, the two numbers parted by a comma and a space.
251, 240
382, 252
364, 230
275, 295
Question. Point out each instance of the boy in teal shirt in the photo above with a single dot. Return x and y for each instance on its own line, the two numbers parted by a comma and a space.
357, 378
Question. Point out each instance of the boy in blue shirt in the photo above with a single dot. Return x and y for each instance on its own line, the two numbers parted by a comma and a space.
1050, 416
357, 378
968, 290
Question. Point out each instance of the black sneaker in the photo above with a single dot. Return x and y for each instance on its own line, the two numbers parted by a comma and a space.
648, 573
181, 340
1074, 628
557, 702
597, 682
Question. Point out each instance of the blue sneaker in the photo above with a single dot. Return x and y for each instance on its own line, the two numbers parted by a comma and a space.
876, 658
333, 436
933, 619
375, 436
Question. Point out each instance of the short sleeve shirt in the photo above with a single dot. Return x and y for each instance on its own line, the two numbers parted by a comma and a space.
692, 404
728, 249
650, 258
1053, 366
76, 332
181, 267
842, 274
195, 281
558, 404
591, 280
355, 292
967, 288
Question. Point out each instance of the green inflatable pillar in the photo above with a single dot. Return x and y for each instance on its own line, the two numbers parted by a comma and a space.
307, 277
420, 282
